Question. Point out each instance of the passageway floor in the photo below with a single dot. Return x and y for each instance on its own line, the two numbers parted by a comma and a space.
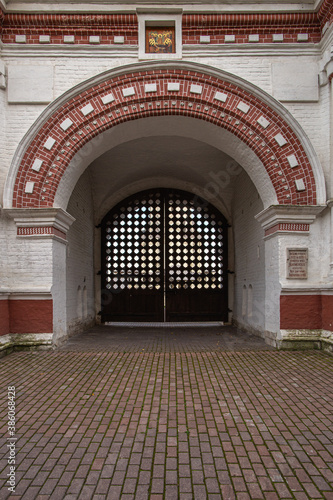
172, 413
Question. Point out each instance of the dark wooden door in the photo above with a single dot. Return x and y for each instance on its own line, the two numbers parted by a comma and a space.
164, 258
132, 259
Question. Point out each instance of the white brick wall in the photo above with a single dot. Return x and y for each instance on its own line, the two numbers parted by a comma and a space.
71, 71
25, 263
18, 119
314, 118
256, 70
80, 255
318, 244
4, 251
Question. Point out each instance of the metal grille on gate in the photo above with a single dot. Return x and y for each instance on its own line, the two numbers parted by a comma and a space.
164, 258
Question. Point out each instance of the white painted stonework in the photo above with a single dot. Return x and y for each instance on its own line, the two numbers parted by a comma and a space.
66, 124
108, 98
62, 263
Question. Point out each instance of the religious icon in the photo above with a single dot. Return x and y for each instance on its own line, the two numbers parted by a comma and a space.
160, 40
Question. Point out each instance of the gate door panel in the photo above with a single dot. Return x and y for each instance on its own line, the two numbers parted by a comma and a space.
164, 258
132, 260
196, 288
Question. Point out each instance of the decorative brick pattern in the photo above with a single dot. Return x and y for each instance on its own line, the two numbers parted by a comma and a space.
247, 28
59, 27
325, 13
139, 104
40, 231
289, 227
196, 28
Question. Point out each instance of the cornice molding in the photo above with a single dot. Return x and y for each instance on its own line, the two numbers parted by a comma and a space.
218, 50
14, 50
41, 223
288, 214
100, 6
248, 49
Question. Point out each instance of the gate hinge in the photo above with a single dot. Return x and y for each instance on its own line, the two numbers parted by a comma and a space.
99, 273
230, 272
98, 226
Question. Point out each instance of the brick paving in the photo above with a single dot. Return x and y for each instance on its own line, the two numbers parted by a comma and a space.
169, 414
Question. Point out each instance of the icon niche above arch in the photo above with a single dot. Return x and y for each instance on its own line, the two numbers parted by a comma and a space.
158, 89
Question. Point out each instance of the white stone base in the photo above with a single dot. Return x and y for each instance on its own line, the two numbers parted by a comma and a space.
25, 340
302, 339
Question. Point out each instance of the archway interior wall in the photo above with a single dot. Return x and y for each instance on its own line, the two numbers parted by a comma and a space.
172, 161
240, 206
127, 169
180, 126
80, 258
249, 281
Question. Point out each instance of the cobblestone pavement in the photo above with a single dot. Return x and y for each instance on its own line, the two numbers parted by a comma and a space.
170, 414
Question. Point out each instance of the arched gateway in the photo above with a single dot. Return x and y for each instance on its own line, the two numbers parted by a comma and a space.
52, 145
277, 189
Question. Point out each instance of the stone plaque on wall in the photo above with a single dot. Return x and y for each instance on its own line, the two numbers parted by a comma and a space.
30, 84
295, 81
297, 263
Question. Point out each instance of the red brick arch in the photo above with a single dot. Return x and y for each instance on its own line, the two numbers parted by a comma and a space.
133, 93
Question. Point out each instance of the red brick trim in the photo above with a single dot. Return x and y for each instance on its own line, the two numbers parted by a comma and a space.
78, 20
107, 26
309, 312
243, 25
193, 25
325, 13
289, 227
185, 102
269, 19
40, 231
30, 316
